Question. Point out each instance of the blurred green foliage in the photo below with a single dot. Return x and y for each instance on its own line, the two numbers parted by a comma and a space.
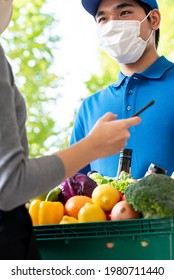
166, 46
29, 43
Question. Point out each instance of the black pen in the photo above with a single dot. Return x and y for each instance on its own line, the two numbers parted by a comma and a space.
143, 109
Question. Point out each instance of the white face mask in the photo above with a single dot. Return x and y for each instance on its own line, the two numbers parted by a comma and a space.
120, 39
5, 13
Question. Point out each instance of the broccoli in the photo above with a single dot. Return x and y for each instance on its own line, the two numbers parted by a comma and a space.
153, 196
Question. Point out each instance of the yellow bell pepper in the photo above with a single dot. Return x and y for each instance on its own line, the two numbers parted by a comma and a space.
50, 212
46, 212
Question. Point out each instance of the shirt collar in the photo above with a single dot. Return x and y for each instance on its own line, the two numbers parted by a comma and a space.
155, 71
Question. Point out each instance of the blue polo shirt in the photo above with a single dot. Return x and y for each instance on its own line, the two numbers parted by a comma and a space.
153, 140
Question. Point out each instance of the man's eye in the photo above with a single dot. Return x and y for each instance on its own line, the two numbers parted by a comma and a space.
102, 19
124, 13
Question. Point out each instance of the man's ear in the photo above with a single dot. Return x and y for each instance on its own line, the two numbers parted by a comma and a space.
155, 17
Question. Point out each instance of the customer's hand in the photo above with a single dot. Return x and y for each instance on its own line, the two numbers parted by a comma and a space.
109, 135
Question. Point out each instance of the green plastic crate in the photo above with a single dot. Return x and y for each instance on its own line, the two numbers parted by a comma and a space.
138, 239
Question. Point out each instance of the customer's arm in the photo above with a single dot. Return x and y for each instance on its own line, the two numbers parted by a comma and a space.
21, 178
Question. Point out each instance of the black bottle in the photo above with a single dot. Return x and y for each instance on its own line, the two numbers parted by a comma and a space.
125, 161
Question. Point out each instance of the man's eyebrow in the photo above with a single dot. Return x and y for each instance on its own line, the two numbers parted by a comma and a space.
117, 7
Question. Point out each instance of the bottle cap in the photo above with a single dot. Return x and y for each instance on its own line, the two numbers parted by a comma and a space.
156, 169
126, 153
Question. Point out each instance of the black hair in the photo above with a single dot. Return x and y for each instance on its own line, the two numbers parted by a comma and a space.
146, 7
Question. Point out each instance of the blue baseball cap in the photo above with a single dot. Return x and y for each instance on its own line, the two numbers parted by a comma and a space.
91, 6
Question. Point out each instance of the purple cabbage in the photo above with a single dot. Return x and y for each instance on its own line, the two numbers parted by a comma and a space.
78, 184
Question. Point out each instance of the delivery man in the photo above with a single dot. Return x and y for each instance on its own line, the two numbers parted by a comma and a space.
128, 30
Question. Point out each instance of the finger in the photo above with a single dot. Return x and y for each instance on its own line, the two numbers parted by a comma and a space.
133, 121
109, 117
